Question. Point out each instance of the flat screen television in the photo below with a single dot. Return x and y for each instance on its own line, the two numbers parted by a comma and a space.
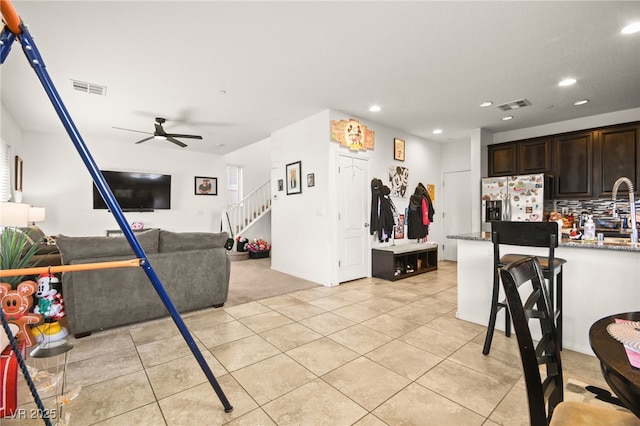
136, 191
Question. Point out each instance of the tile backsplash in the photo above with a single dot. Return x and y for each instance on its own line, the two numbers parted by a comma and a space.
599, 207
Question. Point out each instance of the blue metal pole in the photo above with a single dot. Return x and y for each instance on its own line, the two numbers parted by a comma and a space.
37, 63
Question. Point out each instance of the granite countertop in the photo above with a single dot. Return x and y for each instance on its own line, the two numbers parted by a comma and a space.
611, 244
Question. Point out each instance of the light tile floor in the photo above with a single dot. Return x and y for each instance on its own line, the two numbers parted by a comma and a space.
367, 352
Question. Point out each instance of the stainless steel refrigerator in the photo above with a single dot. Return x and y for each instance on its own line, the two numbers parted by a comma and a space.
515, 198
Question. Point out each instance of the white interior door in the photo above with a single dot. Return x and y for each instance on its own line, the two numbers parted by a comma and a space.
457, 209
353, 218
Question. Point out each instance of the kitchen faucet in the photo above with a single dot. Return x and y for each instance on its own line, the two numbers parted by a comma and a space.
632, 205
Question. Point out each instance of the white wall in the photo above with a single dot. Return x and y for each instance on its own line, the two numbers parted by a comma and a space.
56, 178
299, 221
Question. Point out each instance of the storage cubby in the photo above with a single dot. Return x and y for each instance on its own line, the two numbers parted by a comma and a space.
397, 262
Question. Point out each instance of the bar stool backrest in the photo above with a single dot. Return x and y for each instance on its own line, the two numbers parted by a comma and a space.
532, 234
543, 393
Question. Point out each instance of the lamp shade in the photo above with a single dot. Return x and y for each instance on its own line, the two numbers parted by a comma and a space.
36, 214
14, 214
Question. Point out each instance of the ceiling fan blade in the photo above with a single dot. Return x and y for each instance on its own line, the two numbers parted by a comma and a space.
131, 130
145, 139
176, 141
175, 135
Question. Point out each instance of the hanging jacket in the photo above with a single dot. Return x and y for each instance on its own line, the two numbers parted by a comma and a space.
415, 227
386, 217
429, 211
376, 191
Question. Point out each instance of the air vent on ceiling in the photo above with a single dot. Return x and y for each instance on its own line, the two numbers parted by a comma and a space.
520, 103
93, 89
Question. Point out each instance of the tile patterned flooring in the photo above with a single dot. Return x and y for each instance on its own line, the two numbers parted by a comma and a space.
368, 352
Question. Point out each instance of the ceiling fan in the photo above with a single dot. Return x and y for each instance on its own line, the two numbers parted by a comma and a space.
161, 134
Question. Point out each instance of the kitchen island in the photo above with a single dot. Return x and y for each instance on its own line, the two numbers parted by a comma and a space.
599, 279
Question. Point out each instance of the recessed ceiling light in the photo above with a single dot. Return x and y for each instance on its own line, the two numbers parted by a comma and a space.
567, 82
507, 118
582, 102
219, 145
631, 28
222, 92
437, 131
374, 108
486, 104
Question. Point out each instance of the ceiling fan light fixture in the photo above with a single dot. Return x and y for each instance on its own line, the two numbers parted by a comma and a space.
582, 102
486, 104
375, 108
160, 137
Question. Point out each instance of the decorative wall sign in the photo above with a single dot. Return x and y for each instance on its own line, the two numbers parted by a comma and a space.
206, 185
352, 134
294, 173
431, 189
399, 181
398, 149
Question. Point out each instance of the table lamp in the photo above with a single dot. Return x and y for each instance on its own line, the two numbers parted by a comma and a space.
14, 215
36, 214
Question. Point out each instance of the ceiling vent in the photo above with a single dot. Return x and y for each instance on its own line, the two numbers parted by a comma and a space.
520, 103
93, 89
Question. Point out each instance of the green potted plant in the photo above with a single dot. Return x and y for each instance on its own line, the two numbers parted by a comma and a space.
16, 252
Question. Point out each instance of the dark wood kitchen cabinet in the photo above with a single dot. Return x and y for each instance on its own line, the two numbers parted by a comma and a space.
534, 156
573, 165
616, 154
502, 159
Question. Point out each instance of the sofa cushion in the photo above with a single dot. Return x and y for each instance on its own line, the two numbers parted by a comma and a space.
72, 248
184, 241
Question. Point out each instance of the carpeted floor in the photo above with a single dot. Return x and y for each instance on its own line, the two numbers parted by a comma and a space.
253, 279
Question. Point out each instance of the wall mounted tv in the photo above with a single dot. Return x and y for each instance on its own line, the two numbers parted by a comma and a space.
136, 191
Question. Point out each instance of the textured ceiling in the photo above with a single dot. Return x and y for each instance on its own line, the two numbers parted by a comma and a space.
427, 64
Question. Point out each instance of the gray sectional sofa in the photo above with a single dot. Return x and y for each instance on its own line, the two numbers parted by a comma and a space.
193, 267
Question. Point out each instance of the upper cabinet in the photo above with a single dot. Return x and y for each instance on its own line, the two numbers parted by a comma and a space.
520, 158
502, 159
573, 165
616, 154
584, 164
534, 156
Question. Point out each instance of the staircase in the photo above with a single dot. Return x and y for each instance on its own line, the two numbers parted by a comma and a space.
251, 208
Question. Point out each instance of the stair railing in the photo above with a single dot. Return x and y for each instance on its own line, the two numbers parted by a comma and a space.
247, 211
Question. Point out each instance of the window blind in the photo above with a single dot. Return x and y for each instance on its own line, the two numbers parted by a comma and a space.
5, 173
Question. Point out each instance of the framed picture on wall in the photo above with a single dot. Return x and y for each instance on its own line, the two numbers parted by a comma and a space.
398, 149
204, 185
18, 176
280, 185
311, 179
293, 175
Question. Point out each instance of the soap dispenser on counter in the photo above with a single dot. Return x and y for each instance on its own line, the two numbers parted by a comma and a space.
589, 229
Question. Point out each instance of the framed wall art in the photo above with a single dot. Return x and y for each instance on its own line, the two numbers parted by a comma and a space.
398, 149
311, 179
18, 170
280, 185
204, 185
293, 175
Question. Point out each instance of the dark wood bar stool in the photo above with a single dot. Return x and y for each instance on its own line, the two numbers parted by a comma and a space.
526, 234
